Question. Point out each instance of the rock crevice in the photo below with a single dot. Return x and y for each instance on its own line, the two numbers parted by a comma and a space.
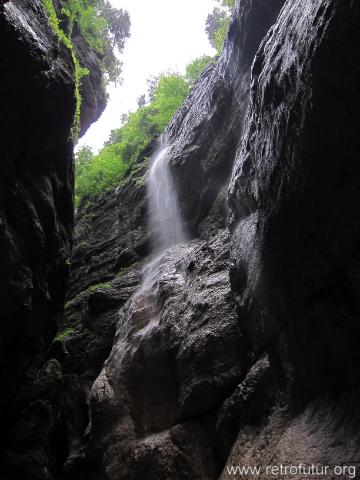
36, 213
238, 347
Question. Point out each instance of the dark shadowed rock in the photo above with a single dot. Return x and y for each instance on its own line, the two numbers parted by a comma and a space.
235, 348
36, 221
101, 283
102, 299
111, 232
205, 132
294, 198
178, 353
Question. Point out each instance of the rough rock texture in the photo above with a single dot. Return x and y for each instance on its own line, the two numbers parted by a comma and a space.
111, 234
240, 347
270, 375
104, 276
36, 191
294, 200
204, 134
36, 211
168, 369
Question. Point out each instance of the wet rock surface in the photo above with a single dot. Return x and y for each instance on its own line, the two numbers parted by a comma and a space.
178, 352
285, 373
103, 279
111, 234
205, 132
36, 219
36, 191
293, 199
240, 346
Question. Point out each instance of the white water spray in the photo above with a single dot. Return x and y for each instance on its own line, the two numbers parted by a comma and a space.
165, 218
167, 230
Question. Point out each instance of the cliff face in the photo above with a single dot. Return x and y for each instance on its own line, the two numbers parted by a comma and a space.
112, 234
204, 134
294, 197
210, 370
238, 347
36, 207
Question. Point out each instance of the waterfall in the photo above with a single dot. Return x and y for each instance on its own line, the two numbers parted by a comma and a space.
165, 218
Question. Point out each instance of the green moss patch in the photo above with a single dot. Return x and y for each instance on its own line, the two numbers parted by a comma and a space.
64, 334
80, 71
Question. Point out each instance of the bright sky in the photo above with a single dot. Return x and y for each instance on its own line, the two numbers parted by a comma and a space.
165, 35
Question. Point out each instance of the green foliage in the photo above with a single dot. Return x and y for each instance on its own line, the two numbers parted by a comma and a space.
220, 34
102, 172
141, 101
83, 158
227, 3
195, 68
168, 97
98, 286
84, 295
80, 71
103, 27
152, 83
213, 24
63, 335
98, 173
217, 23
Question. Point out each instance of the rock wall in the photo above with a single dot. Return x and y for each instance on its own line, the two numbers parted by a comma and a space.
112, 233
205, 374
294, 198
110, 243
205, 132
36, 210
238, 348
179, 351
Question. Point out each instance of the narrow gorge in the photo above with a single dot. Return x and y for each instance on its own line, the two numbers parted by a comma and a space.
203, 315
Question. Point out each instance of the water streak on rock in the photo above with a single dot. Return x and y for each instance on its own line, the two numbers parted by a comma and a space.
165, 217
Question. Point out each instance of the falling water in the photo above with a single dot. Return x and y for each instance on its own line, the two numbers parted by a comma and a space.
165, 218
167, 230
